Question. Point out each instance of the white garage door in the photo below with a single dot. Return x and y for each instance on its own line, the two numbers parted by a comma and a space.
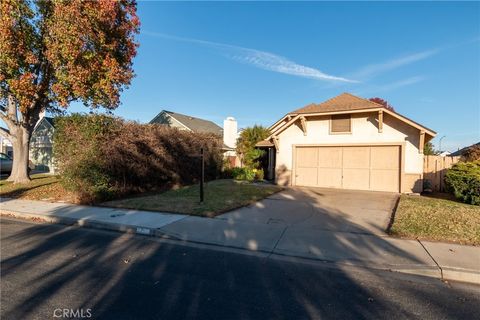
375, 168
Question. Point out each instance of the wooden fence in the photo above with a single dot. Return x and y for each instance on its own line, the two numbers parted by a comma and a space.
434, 169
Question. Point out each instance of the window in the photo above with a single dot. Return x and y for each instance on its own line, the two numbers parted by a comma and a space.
341, 123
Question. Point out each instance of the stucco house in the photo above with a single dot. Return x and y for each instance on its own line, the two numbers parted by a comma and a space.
347, 142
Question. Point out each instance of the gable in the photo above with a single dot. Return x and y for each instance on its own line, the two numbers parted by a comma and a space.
186, 122
343, 104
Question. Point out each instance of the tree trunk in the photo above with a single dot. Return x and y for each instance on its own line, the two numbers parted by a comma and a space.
20, 146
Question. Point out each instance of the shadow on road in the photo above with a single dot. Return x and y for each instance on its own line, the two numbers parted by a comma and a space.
119, 276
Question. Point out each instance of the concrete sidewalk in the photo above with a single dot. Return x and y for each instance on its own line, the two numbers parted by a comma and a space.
441, 260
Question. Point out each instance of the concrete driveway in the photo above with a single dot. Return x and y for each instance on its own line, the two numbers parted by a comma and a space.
322, 209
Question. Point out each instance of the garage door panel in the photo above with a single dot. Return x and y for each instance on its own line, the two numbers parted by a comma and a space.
307, 157
384, 180
374, 168
307, 177
356, 179
356, 157
330, 177
330, 157
385, 157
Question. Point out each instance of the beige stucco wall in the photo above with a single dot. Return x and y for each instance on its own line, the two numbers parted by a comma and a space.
364, 131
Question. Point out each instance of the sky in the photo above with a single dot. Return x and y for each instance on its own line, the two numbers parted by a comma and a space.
259, 61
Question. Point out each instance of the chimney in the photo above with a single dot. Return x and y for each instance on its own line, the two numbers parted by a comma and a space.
230, 132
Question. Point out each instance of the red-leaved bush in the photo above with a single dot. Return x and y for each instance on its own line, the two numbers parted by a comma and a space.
101, 157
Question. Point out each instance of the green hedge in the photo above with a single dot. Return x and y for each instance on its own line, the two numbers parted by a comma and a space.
101, 157
246, 173
463, 180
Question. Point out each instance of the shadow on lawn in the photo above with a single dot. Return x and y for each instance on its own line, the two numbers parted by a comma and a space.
19, 192
121, 276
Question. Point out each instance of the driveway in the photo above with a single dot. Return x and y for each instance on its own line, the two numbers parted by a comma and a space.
322, 209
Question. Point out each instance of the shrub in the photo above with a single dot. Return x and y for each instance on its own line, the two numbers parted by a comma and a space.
238, 173
472, 153
259, 174
247, 174
101, 157
463, 180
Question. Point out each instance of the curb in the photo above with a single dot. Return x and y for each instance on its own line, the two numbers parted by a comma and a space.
441, 273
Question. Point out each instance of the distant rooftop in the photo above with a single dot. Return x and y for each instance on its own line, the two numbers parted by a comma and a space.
193, 123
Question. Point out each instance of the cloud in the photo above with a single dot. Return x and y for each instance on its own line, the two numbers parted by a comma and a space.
391, 86
373, 70
401, 83
260, 59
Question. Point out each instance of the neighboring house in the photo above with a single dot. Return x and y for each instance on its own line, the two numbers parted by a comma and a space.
347, 142
41, 145
229, 133
460, 152
184, 122
5, 144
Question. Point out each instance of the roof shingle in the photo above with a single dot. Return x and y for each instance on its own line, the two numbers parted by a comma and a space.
343, 102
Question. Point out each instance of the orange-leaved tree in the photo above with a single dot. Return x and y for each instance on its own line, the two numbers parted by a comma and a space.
56, 52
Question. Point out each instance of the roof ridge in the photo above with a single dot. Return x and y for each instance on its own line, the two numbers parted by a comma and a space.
365, 99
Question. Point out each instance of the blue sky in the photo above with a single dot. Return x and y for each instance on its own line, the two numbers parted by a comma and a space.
258, 61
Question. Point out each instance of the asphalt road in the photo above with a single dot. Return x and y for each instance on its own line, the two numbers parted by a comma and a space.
104, 275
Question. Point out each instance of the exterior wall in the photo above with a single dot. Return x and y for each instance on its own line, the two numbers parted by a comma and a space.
364, 131
41, 148
230, 132
168, 120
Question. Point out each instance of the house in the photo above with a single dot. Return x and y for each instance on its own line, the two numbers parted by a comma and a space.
462, 151
41, 145
184, 122
5, 144
347, 142
229, 132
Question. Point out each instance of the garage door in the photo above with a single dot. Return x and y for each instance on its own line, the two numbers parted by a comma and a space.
375, 168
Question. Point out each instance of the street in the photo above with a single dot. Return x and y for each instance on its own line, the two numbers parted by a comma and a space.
53, 271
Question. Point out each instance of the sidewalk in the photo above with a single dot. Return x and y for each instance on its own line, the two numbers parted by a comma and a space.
440, 260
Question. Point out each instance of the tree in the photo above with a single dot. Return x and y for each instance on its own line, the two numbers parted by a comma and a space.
382, 102
249, 137
56, 52
472, 153
429, 150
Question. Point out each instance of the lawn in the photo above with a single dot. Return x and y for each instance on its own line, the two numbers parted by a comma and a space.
437, 219
220, 196
42, 187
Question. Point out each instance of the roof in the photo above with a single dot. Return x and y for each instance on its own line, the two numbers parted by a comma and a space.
264, 143
50, 120
192, 123
343, 102
462, 151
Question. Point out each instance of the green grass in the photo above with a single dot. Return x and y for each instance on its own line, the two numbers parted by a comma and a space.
41, 187
220, 196
437, 219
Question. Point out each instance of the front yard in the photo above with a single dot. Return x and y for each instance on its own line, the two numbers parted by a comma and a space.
45, 187
220, 196
437, 219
